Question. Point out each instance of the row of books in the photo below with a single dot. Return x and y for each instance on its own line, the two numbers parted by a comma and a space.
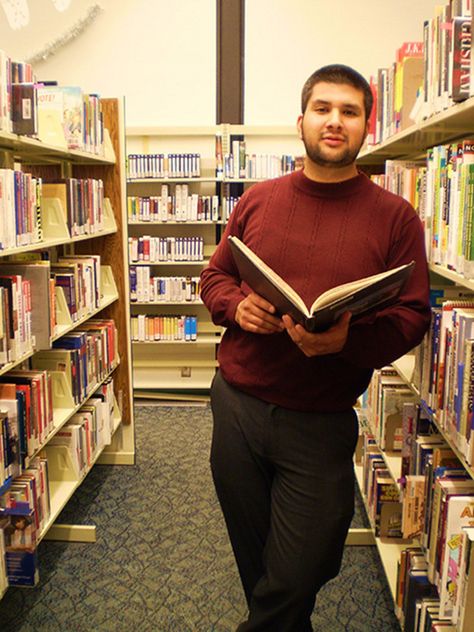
58, 115
381, 493
80, 278
228, 204
26, 412
180, 207
88, 431
67, 113
448, 592
143, 166
158, 249
147, 288
417, 604
442, 192
28, 299
86, 356
165, 328
437, 502
426, 76
24, 512
20, 209
447, 56
241, 165
384, 398
16, 316
82, 201
444, 372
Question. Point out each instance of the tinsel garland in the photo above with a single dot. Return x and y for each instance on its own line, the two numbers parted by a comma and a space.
72, 33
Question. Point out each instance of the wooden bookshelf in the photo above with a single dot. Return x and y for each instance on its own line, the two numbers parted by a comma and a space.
43, 160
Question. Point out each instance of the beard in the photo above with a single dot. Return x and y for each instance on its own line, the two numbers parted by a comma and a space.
323, 158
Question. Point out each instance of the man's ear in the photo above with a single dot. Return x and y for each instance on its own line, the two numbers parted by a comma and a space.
367, 128
299, 125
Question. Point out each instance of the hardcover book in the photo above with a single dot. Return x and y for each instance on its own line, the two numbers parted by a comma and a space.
359, 297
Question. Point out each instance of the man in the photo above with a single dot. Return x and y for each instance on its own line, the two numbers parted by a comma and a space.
284, 425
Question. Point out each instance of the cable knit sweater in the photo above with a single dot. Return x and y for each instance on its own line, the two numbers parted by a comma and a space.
315, 236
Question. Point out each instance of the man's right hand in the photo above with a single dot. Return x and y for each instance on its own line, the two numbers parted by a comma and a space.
256, 315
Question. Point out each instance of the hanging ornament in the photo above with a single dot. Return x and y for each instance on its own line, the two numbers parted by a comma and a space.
61, 5
66, 37
17, 12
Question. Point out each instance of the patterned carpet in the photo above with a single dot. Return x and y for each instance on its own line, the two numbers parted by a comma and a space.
162, 562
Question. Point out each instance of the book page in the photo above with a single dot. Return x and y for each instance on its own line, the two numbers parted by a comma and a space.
345, 289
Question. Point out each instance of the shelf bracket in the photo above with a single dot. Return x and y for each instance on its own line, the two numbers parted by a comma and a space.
71, 533
360, 537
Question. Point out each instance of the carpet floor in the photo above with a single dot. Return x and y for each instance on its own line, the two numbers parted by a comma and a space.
162, 561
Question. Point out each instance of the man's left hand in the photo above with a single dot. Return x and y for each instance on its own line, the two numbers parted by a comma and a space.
330, 341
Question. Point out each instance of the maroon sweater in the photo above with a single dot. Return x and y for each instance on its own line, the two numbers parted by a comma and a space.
315, 236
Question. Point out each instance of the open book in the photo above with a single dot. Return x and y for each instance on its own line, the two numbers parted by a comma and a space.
358, 297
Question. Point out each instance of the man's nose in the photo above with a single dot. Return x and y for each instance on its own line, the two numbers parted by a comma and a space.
334, 119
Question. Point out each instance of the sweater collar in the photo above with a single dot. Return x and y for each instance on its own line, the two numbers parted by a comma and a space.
329, 189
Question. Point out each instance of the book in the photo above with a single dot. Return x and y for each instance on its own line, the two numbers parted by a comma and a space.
358, 297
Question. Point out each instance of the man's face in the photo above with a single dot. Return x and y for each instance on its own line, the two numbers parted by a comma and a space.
333, 126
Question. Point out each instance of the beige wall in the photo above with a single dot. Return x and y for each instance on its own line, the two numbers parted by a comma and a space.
161, 54
286, 40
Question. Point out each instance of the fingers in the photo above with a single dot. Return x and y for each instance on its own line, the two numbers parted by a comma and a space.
256, 315
312, 344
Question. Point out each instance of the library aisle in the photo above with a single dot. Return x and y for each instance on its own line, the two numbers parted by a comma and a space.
162, 561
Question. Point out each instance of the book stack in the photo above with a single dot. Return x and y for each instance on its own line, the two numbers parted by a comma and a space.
159, 249
146, 288
164, 328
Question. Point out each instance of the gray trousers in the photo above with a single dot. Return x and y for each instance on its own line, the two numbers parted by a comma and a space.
285, 483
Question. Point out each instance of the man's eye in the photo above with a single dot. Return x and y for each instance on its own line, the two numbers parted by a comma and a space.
321, 110
350, 113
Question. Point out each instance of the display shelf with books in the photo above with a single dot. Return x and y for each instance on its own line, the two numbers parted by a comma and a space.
428, 160
89, 399
174, 215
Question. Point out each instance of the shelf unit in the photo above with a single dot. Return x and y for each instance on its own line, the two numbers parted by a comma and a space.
411, 144
111, 243
190, 366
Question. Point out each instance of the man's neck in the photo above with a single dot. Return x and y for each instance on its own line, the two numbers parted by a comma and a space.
319, 173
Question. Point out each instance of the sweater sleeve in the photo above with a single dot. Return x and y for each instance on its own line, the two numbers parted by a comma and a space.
220, 281
378, 340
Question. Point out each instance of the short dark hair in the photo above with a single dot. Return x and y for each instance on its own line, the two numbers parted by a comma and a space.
338, 73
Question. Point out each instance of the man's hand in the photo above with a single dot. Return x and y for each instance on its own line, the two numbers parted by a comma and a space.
256, 315
330, 341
